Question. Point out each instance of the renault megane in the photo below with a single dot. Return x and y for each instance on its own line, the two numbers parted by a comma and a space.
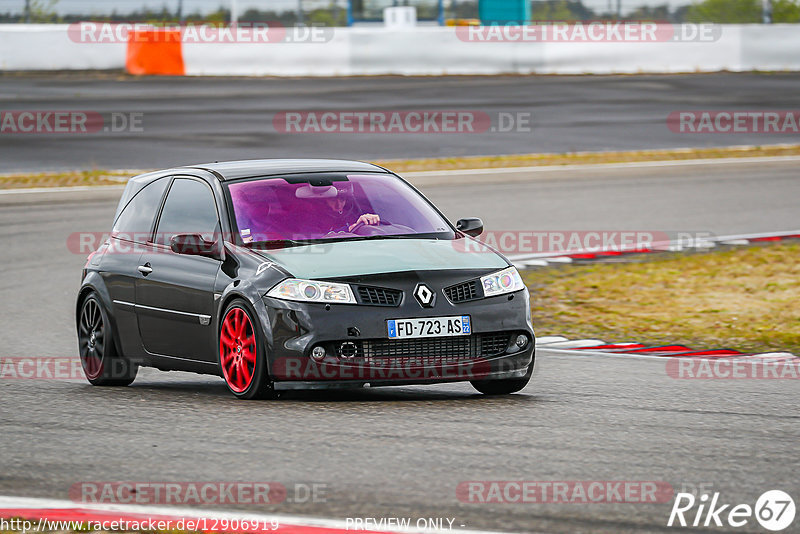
297, 274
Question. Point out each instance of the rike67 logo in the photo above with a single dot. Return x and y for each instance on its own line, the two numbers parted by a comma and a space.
774, 510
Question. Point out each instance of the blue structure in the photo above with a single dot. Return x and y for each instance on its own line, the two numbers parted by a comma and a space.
504, 11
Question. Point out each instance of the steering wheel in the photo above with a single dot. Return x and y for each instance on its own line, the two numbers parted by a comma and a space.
357, 227
373, 228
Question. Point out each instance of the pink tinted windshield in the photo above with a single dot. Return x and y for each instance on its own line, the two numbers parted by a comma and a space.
331, 208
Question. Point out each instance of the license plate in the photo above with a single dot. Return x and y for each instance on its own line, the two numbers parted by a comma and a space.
457, 325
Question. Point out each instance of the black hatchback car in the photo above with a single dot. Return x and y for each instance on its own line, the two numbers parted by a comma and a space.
296, 274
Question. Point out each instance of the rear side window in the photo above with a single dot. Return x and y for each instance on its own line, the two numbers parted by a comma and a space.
189, 209
135, 222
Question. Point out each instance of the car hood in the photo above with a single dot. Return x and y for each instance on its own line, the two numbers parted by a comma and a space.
354, 258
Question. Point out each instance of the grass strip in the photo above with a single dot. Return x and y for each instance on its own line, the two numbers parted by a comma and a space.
743, 298
584, 158
63, 179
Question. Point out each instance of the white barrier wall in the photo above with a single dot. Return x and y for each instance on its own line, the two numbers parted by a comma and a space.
419, 51
270, 59
762, 49
54, 47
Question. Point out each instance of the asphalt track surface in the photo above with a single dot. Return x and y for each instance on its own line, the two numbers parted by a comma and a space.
401, 452
191, 120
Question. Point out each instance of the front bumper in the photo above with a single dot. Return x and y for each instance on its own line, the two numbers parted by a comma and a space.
344, 377
490, 352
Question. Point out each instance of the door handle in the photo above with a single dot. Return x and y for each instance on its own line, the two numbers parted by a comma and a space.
145, 269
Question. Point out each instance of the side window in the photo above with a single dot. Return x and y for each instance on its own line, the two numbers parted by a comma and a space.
189, 209
135, 222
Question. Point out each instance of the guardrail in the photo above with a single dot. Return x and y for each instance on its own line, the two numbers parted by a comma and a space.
424, 51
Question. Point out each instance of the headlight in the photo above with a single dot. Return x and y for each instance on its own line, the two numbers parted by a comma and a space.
501, 282
312, 291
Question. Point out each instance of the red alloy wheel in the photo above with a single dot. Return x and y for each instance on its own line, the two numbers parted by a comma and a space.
237, 350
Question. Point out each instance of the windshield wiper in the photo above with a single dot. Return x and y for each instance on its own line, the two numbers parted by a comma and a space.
279, 243
286, 243
388, 236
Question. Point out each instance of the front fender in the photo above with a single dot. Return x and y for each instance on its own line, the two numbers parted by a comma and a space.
251, 294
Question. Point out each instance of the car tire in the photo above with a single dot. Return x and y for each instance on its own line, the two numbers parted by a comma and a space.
242, 359
505, 386
101, 362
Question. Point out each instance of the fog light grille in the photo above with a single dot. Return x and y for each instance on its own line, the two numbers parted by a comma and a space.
433, 351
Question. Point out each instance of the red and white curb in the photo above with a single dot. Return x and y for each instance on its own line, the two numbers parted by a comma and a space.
546, 259
597, 346
44, 513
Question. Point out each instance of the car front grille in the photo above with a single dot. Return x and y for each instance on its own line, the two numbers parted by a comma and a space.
379, 296
463, 292
431, 351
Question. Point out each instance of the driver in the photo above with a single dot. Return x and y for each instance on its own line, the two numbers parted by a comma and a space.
340, 213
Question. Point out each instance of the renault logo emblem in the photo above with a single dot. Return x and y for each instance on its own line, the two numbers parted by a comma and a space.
424, 296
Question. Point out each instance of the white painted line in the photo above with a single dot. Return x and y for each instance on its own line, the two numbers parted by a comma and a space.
670, 247
534, 263
737, 242
544, 340
504, 170
601, 353
748, 237
288, 520
622, 346
575, 343
62, 189
560, 259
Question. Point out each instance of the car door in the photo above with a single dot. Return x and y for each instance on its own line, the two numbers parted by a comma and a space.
132, 229
175, 292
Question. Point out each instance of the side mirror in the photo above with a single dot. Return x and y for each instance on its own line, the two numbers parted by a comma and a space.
472, 226
195, 245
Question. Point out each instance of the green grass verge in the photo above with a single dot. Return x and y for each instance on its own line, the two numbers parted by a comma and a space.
63, 179
585, 158
740, 298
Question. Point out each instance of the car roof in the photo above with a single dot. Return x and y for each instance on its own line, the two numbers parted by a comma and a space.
233, 170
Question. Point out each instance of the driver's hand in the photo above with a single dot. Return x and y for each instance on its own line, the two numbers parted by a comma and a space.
367, 218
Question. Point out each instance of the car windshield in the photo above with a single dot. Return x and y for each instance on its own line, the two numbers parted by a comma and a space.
332, 207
